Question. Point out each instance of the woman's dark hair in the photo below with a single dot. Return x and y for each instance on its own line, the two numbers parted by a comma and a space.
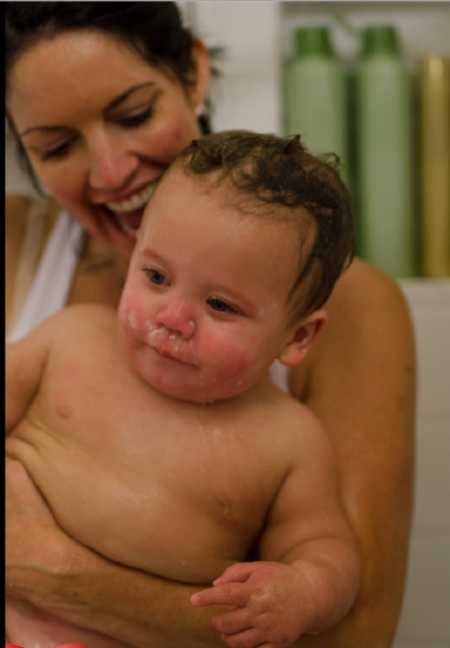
279, 171
153, 29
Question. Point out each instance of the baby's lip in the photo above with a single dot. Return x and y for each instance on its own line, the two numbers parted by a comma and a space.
172, 356
170, 344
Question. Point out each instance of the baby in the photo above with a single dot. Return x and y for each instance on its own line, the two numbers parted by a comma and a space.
157, 438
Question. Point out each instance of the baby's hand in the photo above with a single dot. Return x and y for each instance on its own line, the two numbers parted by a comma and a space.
268, 601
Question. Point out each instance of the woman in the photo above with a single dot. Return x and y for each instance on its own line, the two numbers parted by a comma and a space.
102, 96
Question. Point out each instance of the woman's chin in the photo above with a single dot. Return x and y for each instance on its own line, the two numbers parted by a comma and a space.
121, 236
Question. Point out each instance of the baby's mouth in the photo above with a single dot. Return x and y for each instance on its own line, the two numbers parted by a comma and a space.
169, 345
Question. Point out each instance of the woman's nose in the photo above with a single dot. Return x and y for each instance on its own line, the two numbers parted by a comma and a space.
177, 317
111, 166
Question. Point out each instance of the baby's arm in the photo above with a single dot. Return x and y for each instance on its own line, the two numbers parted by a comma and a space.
308, 576
25, 362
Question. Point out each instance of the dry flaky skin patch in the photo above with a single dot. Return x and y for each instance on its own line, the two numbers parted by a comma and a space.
166, 341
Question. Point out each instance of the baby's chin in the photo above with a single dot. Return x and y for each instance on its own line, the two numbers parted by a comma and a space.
200, 393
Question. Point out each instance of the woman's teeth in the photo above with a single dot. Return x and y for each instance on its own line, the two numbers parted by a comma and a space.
135, 202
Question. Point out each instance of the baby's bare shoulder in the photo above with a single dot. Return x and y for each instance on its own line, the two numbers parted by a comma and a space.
287, 421
87, 316
80, 324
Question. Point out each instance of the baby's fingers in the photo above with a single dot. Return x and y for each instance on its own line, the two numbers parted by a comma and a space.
237, 573
233, 594
230, 623
248, 639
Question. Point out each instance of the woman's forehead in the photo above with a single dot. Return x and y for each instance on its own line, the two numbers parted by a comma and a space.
76, 69
82, 60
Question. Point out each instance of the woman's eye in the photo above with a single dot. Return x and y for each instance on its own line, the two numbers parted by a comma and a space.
155, 276
57, 151
221, 306
136, 119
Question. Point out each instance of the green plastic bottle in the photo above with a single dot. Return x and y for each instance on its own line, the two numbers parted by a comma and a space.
383, 103
316, 96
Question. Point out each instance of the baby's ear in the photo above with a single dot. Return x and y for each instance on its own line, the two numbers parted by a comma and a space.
301, 337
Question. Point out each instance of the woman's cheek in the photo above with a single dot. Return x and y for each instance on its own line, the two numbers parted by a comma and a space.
61, 183
174, 135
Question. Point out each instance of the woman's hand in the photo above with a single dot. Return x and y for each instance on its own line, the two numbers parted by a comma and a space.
37, 550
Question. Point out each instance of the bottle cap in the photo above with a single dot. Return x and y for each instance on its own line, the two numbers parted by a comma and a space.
435, 66
378, 39
313, 40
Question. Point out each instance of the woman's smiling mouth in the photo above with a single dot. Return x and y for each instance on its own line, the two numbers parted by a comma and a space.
127, 214
137, 201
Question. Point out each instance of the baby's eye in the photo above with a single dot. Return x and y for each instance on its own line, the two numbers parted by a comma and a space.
221, 306
155, 276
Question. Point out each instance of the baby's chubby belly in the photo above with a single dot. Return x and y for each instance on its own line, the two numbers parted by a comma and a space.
159, 508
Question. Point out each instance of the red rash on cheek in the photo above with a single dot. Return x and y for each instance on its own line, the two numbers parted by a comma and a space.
230, 359
131, 302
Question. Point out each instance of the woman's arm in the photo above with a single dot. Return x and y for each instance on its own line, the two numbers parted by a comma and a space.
360, 382
48, 569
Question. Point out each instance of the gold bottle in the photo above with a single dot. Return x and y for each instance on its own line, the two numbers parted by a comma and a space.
434, 138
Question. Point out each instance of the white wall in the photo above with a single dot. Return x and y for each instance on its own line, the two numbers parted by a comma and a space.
425, 621
248, 32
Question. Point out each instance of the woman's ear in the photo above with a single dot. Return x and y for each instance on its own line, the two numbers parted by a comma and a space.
301, 337
199, 90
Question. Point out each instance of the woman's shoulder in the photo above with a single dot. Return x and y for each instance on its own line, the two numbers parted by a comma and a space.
367, 304
29, 221
19, 205
21, 211
368, 318
363, 288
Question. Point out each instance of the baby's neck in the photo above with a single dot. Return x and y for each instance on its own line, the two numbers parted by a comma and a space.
257, 392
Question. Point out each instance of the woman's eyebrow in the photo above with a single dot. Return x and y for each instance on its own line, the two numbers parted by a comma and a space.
109, 108
46, 129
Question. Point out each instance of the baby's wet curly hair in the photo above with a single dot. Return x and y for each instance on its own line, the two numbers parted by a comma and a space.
281, 172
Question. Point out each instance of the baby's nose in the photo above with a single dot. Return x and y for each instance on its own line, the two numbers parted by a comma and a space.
177, 317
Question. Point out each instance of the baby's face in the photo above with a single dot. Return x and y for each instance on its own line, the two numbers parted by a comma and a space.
205, 307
